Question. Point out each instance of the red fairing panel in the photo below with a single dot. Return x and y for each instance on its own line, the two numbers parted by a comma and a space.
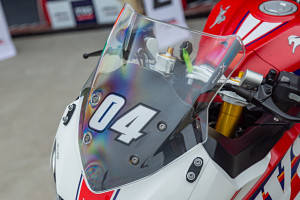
283, 166
84, 193
264, 34
279, 52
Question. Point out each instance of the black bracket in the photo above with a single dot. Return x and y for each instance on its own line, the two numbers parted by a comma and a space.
66, 119
194, 170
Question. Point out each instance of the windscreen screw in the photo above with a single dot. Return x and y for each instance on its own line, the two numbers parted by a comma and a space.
87, 139
134, 160
70, 107
198, 162
95, 99
191, 176
65, 119
162, 126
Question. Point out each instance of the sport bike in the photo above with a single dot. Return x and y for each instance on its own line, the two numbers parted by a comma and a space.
173, 113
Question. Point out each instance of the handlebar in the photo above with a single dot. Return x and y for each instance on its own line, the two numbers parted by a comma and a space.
262, 97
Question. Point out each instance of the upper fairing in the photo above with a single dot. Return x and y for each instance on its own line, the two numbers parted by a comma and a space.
144, 95
270, 39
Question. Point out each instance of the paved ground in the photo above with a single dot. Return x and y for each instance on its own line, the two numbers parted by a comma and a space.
35, 87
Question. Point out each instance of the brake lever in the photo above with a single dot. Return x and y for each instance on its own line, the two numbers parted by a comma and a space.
270, 105
263, 97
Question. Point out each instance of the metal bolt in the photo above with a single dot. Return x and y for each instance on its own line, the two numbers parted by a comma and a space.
134, 160
65, 119
191, 176
95, 99
276, 119
198, 162
70, 107
87, 139
162, 126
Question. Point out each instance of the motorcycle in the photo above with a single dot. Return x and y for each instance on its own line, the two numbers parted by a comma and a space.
173, 113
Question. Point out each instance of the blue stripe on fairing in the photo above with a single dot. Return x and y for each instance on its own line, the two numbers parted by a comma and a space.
78, 187
234, 32
297, 72
116, 195
266, 34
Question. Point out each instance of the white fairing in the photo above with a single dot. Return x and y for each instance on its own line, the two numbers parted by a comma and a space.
264, 28
163, 184
168, 183
253, 28
68, 163
247, 26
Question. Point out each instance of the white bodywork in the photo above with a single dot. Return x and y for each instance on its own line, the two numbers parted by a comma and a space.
168, 183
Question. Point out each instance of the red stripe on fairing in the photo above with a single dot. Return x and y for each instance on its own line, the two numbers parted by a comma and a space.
277, 153
235, 194
296, 186
294, 161
280, 177
86, 194
253, 29
265, 196
266, 34
295, 182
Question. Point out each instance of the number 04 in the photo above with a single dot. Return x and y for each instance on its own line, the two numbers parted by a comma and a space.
129, 126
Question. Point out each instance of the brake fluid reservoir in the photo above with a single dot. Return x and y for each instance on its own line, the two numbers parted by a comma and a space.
165, 62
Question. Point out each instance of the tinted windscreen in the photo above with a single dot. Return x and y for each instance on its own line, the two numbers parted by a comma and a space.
147, 90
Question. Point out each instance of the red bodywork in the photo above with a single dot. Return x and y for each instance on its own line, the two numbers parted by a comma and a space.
270, 48
266, 48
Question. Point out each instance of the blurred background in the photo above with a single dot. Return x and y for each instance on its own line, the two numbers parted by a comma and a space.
42, 70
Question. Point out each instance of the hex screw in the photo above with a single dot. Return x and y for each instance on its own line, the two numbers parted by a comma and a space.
70, 107
162, 126
191, 176
88, 137
134, 160
198, 162
65, 119
95, 99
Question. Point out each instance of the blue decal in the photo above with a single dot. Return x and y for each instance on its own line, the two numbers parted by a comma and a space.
266, 34
116, 195
78, 187
234, 32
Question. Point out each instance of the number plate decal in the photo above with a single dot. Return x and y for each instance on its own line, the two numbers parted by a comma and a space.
130, 125
108, 109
